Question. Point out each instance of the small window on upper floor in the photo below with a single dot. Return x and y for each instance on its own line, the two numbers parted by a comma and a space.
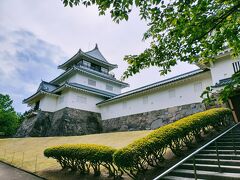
86, 63
92, 82
171, 93
198, 87
109, 87
104, 70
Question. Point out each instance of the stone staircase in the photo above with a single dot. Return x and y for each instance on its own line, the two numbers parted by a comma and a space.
219, 159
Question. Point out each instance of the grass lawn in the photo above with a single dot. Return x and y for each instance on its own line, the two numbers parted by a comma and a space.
27, 153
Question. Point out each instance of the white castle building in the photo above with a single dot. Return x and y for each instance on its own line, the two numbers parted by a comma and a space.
88, 85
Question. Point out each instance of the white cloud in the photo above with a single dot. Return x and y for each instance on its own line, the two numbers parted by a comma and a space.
25, 60
50, 27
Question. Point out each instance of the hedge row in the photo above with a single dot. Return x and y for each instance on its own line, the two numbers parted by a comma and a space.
138, 156
149, 151
84, 157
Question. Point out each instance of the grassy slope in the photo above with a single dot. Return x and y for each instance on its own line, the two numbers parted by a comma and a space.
11, 150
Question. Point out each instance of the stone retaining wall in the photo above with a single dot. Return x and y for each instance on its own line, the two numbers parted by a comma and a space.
72, 122
65, 122
152, 119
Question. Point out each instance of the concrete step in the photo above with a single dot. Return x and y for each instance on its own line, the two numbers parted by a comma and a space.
225, 143
214, 156
220, 151
210, 167
205, 174
234, 135
220, 147
215, 162
178, 178
228, 139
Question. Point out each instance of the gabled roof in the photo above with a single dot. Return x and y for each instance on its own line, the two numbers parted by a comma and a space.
38, 94
89, 72
97, 54
94, 56
154, 85
46, 86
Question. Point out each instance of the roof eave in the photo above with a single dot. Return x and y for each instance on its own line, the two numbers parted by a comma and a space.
150, 88
41, 92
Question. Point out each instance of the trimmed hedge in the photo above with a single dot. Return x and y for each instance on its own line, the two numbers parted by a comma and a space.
83, 157
143, 153
138, 156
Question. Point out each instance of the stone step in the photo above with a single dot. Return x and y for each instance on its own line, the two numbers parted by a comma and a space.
236, 135
225, 143
215, 162
220, 147
214, 156
228, 139
210, 167
178, 178
220, 151
205, 174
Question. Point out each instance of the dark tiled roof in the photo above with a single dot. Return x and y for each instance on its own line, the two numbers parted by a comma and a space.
96, 54
92, 72
38, 93
223, 82
93, 90
154, 85
46, 86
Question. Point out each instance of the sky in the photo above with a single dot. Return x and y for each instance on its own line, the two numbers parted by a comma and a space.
36, 36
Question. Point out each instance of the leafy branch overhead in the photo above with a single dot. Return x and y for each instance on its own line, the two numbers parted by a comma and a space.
184, 30
211, 97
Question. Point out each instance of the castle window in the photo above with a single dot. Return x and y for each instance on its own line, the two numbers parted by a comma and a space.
171, 93
109, 87
91, 82
86, 63
198, 87
104, 70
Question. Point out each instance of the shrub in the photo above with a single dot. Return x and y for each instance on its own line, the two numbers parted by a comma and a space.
143, 153
82, 157
136, 158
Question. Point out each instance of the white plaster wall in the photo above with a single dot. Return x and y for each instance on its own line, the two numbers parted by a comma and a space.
48, 103
185, 93
78, 100
222, 68
101, 84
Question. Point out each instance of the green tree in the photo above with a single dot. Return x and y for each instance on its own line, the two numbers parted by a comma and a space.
8, 117
212, 98
186, 30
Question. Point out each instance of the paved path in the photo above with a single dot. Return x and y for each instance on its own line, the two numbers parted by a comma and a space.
10, 173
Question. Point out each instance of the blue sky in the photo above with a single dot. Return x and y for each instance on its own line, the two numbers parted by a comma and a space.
39, 35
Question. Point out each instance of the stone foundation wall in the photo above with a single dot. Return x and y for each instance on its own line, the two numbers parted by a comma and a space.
72, 122
65, 122
152, 119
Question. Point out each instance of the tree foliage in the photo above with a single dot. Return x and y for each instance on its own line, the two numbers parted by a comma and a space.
8, 117
185, 30
211, 97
